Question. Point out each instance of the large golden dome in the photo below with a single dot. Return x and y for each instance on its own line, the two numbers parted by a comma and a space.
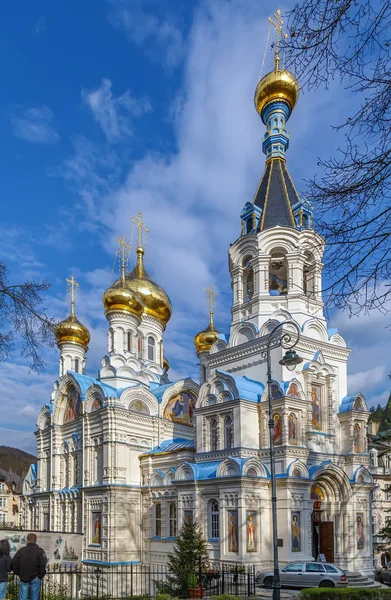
120, 298
71, 330
155, 300
276, 85
205, 339
166, 364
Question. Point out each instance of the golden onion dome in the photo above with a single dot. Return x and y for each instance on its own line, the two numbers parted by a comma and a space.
276, 85
155, 300
166, 364
119, 298
71, 330
205, 339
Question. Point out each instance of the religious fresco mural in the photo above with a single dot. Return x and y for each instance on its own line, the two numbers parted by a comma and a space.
316, 410
73, 407
293, 437
316, 493
277, 432
251, 531
293, 391
276, 391
138, 406
295, 532
96, 405
358, 404
356, 438
96, 535
180, 408
233, 545
360, 531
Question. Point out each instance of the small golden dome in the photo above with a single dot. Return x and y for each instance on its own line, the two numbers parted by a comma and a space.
205, 339
276, 85
120, 298
71, 330
166, 364
155, 300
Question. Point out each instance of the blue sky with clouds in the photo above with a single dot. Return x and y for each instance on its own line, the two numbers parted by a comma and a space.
109, 107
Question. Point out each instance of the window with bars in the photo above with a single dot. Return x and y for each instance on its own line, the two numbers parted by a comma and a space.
158, 519
214, 519
213, 434
173, 519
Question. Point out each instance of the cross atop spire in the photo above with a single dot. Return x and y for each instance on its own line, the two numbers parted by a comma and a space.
211, 297
72, 288
124, 249
277, 24
139, 222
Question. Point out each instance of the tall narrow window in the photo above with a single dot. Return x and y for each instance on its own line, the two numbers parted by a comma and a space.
139, 347
129, 341
214, 520
213, 434
173, 519
151, 348
158, 519
76, 365
228, 433
111, 338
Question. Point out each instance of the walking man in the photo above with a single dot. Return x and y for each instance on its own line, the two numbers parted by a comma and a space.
29, 563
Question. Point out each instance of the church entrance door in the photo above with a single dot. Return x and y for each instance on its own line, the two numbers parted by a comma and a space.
326, 545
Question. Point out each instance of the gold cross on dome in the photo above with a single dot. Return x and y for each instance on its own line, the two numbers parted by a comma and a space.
277, 24
211, 295
139, 222
124, 249
72, 287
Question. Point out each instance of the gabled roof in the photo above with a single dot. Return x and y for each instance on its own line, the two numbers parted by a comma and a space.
276, 195
85, 382
248, 389
172, 446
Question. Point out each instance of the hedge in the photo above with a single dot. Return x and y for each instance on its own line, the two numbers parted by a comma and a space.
345, 594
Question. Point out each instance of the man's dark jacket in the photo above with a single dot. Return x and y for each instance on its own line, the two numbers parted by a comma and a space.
29, 562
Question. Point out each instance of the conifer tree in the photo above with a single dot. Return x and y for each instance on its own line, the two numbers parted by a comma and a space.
186, 559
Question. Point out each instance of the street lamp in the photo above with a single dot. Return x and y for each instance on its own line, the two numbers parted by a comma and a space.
287, 340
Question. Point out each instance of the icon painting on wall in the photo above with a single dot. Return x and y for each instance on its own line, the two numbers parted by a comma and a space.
73, 407
360, 531
316, 493
96, 528
277, 435
295, 529
292, 429
316, 407
180, 408
233, 531
251, 531
139, 407
293, 391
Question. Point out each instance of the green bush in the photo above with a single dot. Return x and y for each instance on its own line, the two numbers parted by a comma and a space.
345, 594
161, 596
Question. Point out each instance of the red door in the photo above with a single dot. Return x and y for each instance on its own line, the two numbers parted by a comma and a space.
327, 540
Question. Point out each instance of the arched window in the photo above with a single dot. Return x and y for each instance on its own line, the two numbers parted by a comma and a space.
214, 520
213, 434
248, 280
151, 348
296, 473
203, 370
111, 340
62, 365
228, 432
309, 274
278, 276
252, 472
158, 519
249, 225
173, 519
129, 341
76, 365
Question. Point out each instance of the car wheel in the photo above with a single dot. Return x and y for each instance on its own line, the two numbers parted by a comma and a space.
328, 584
268, 582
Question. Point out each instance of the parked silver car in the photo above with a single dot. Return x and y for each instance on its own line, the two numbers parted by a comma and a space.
302, 574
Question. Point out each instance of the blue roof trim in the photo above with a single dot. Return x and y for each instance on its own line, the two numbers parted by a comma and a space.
347, 403
315, 468
172, 445
331, 331
158, 390
49, 407
85, 382
248, 389
205, 470
33, 467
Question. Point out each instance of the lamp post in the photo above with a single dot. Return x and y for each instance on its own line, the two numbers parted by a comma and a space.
287, 340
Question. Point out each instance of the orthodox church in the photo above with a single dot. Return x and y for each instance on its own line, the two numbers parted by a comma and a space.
126, 456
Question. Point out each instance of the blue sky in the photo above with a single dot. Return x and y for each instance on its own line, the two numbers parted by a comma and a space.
111, 107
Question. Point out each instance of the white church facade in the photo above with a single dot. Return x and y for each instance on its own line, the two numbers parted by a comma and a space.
126, 457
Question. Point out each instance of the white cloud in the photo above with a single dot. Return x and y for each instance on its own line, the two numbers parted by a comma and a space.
19, 439
35, 125
368, 379
114, 115
143, 27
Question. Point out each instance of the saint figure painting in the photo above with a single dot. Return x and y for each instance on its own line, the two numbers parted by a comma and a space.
233, 531
360, 531
251, 531
295, 532
316, 407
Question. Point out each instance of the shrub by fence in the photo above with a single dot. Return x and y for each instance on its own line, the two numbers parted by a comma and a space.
345, 594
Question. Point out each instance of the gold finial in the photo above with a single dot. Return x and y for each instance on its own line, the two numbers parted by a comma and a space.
277, 24
124, 249
139, 222
72, 288
211, 295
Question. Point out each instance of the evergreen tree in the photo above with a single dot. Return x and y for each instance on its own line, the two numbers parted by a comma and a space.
186, 559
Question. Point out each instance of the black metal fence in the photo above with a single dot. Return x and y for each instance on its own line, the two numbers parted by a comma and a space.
94, 582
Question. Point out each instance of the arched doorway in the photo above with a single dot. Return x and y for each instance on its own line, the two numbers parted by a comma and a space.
329, 496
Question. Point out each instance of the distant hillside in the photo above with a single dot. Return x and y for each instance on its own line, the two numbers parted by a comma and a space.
15, 460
